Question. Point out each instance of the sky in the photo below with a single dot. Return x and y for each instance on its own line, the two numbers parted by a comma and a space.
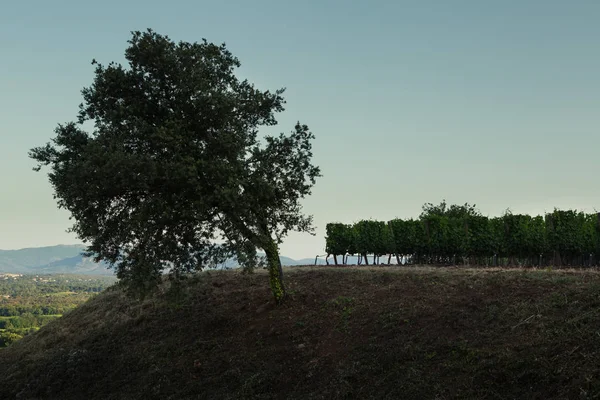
491, 103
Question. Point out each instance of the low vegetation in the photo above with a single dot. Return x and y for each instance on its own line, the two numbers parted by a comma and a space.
368, 333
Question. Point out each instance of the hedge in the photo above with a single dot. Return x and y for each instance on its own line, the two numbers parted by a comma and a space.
460, 234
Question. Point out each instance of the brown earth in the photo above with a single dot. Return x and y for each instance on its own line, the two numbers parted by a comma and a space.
343, 333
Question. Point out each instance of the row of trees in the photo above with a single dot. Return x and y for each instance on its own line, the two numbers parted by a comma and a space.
460, 234
40, 285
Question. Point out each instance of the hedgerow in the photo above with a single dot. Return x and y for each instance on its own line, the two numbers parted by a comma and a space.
460, 234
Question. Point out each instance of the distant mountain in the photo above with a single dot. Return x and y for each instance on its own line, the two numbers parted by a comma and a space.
75, 265
68, 259
50, 260
285, 261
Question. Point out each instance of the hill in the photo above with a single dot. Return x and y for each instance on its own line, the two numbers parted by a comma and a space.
58, 259
67, 259
359, 333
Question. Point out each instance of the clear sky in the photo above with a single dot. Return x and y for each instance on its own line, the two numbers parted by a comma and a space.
489, 102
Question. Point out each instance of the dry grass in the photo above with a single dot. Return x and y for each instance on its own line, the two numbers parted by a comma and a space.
356, 332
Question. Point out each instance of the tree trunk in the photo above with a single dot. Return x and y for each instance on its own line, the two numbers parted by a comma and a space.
335, 259
397, 259
389, 259
366, 259
275, 270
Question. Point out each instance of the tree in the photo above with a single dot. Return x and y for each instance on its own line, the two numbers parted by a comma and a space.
404, 238
338, 240
8, 337
174, 175
480, 236
367, 239
386, 241
452, 211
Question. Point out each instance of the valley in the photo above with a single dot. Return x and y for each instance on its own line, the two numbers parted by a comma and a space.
28, 302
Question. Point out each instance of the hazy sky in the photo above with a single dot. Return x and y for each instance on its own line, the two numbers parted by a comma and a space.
489, 102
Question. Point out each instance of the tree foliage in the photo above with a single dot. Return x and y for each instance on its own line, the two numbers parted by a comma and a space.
340, 238
450, 211
451, 233
174, 174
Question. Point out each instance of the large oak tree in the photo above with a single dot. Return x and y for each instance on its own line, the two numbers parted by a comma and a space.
165, 169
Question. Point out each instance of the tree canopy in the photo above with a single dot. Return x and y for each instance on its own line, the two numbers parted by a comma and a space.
174, 174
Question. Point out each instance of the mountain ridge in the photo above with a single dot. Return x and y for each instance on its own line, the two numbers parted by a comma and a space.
67, 258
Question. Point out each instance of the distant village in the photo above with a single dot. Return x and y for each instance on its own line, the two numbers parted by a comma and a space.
10, 276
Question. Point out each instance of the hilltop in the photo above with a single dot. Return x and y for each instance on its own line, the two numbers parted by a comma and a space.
364, 333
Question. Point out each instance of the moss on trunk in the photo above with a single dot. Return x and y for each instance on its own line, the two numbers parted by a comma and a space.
275, 270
